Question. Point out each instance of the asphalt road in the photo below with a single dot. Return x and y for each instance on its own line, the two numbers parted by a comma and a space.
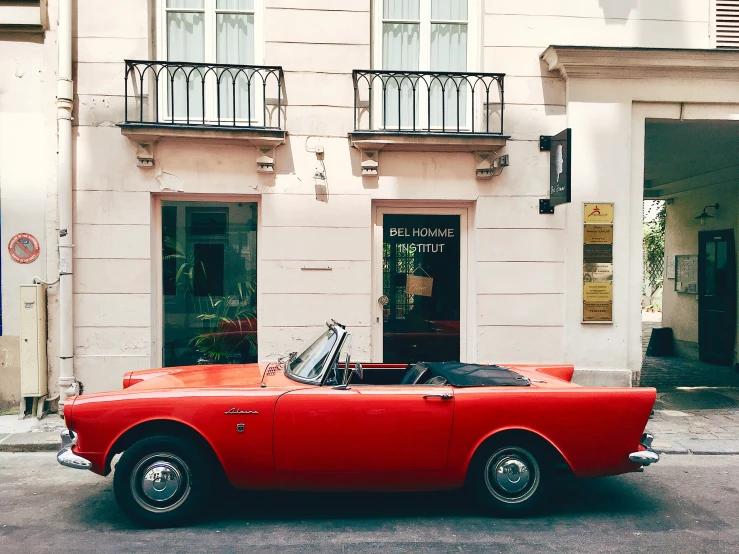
684, 504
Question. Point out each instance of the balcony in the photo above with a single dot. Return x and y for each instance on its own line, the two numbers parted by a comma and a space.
427, 110
223, 102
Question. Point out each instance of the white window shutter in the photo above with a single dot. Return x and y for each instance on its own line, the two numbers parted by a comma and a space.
727, 24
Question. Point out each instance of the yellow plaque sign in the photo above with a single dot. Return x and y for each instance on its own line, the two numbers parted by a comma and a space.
597, 292
598, 213
598, 234
597, 312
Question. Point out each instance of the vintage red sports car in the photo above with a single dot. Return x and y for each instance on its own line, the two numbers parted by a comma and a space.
315, 422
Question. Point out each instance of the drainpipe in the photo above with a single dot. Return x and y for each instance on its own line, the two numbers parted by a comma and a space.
64, 103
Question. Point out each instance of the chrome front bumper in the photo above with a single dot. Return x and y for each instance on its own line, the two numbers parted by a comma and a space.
645, 457
68, 458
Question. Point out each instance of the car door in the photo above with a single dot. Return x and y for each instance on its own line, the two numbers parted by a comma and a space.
363, 428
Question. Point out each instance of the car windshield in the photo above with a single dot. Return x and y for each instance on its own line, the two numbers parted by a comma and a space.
309, 365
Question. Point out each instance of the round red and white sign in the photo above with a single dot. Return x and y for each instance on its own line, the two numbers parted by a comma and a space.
23, 248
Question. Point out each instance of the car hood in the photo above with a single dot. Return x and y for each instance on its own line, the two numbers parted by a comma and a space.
200, 376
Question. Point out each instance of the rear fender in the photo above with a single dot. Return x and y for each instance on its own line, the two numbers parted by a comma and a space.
515, 435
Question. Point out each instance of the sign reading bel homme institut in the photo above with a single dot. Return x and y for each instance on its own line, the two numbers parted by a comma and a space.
424, 239
597, 257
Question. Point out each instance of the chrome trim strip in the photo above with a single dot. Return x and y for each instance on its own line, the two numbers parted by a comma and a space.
645, 457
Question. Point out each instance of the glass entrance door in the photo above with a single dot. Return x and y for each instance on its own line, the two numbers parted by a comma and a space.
421, 287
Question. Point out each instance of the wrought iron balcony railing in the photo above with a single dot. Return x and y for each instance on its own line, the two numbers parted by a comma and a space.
204, 95
420, 102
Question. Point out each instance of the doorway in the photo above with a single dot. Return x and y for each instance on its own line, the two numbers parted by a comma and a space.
716, 296
419, 271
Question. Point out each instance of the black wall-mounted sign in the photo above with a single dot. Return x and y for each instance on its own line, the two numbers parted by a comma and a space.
560, 170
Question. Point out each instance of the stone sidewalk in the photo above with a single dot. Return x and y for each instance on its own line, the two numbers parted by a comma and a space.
695, 432
30, 434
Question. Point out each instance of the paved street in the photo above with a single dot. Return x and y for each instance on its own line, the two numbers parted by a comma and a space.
686, 503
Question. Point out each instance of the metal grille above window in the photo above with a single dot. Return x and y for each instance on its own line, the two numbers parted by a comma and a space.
727, 24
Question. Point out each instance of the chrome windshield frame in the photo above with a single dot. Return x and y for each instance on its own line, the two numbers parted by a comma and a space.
341, 335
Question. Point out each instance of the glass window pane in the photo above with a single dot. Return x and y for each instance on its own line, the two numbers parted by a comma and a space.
186, 4
235, 5
449, 96
235, 45
400, 51
401, 9
185, 43
449, 10
210, 301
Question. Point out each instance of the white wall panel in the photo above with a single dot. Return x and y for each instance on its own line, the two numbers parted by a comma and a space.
669, 10
326, 27
303, 210
521, 345
291, 277
112, 207
520, 245
112, 341
321, 58
302, 310
515, 212
112, 276
112, 241
278, 341
314, 243
520, 277
112, 310
530, 310
105, 373
532, 30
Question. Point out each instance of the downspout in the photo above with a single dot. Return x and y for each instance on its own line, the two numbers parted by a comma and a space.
64, 104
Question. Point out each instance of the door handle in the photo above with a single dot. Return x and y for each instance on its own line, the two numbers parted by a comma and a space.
442, 395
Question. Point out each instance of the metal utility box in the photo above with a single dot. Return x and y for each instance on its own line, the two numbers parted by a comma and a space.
34, 377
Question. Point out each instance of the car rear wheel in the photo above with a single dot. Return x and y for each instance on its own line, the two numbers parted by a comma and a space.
161, 481
509, 480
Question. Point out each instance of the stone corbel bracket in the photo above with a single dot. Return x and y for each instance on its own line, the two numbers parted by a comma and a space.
145, 154
370, 163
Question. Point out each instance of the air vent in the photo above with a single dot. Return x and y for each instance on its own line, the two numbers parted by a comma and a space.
727, 24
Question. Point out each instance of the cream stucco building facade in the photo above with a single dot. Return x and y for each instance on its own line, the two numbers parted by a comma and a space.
299, 203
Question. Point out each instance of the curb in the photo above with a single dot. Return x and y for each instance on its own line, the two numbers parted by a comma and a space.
34, 447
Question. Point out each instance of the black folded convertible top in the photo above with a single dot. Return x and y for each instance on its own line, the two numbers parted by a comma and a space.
474, 375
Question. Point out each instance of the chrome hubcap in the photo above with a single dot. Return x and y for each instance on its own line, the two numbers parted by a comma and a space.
161, 482
512, 475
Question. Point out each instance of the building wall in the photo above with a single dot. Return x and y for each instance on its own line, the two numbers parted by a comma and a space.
27, 178
524, 298
680, 311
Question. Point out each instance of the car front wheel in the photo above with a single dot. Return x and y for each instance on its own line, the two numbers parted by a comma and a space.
508, 480
160, 481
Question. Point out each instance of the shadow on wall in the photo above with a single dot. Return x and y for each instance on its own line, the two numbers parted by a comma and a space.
617, 11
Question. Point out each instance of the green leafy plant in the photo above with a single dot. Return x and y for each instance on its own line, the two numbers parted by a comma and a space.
230, 322
654, 244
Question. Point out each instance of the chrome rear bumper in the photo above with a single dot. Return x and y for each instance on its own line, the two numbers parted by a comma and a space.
645, 457
68, 458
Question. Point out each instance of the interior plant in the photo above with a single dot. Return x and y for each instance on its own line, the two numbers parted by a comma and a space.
228, 321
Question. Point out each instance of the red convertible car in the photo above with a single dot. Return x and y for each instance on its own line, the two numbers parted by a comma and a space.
315, 422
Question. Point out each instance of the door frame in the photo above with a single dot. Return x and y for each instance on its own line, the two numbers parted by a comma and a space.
467, 350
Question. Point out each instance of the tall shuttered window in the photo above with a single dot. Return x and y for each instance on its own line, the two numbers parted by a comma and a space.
426, 35
727, 24
211, 31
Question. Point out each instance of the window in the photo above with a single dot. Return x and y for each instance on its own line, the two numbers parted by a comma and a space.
726, 24
211, 31
426, 35
209, 286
